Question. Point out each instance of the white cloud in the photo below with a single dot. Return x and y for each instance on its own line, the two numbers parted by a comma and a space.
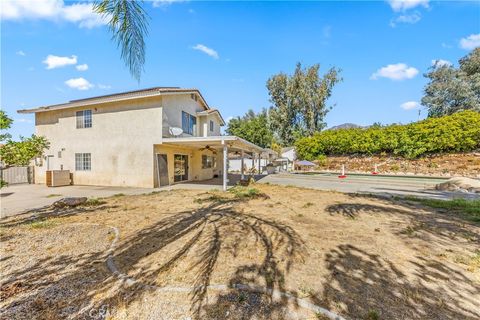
446, 45
441, 63
399, 71
209, 51
82, 67
79, 84
161, 3
54, 10
406, 18
403, 5
53, 62
104, 86
471, 42
409, 105
21, 53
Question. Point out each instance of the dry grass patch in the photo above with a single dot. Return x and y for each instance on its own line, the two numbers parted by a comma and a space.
361, 257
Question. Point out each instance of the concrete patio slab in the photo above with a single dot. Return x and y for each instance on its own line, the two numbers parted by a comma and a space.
19, 198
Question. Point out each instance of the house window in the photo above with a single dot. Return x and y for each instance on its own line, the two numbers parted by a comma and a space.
83, 161
84, 119
208, 162
188, 123
211, 125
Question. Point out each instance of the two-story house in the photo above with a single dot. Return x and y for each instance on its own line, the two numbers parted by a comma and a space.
134, 139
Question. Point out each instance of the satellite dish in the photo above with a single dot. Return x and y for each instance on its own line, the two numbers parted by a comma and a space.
175, 131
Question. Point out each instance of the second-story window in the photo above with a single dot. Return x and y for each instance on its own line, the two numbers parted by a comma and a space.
188, 123
84, 119
211, 125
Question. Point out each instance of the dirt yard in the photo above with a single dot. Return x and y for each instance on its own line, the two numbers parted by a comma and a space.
447, 165
183, 254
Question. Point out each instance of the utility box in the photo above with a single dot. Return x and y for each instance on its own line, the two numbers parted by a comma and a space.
57, 178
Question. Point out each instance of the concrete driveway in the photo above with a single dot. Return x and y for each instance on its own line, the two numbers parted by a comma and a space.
19, 198
381, 185
16, 199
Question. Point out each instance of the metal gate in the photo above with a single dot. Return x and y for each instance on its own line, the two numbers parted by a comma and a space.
15, 175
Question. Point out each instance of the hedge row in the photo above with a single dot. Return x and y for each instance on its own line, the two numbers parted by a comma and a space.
459, 132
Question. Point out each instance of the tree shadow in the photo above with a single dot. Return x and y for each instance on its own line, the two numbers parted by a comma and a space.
359, 283
427, 223
199, 239
364, 285
51, 211
352, 210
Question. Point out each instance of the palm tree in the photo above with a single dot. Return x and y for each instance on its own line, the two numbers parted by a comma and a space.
128, 23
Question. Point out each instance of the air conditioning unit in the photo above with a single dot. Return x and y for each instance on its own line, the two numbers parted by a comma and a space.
57, 178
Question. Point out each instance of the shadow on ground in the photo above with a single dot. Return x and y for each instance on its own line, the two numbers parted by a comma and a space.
360, 283
370, 287
205, 229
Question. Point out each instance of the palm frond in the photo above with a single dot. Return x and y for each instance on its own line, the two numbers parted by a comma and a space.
128, 23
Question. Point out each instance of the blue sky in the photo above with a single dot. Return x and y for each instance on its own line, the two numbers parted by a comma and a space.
229, 49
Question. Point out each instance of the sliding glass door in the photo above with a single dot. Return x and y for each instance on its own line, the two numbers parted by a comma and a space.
180, 167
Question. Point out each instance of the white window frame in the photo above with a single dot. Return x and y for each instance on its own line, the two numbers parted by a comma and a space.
84, 119
83, 161
212, 125
208, 162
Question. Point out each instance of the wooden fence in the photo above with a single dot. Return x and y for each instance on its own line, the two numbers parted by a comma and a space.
15, 175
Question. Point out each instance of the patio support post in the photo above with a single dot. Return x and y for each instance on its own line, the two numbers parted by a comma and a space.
259, 163
242, 164
225, 173
253, 162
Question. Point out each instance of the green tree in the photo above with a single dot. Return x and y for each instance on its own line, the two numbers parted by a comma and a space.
453, 89
21, 152
5, 123
300, 101
128, 23
459, 132
253, 127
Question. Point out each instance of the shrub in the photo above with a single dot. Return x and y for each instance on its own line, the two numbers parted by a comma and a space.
459, 132
243, 193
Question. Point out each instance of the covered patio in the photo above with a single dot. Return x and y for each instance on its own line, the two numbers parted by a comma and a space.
222, 145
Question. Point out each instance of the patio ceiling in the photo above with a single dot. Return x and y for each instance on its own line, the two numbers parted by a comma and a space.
232, 142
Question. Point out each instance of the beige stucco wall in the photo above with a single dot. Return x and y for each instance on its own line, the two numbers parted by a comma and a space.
172, 115
204, 125
121, 141
195, 171
173, 107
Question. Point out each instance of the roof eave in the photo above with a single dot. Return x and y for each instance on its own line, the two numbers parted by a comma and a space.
85, 102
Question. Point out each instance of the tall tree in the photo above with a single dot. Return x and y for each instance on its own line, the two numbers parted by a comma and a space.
453, 89
300, 101
128, 23
253, 127
19, 152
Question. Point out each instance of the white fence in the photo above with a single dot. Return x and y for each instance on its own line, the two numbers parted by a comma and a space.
15, 175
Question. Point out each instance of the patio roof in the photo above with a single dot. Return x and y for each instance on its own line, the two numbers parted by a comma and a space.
232, 142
